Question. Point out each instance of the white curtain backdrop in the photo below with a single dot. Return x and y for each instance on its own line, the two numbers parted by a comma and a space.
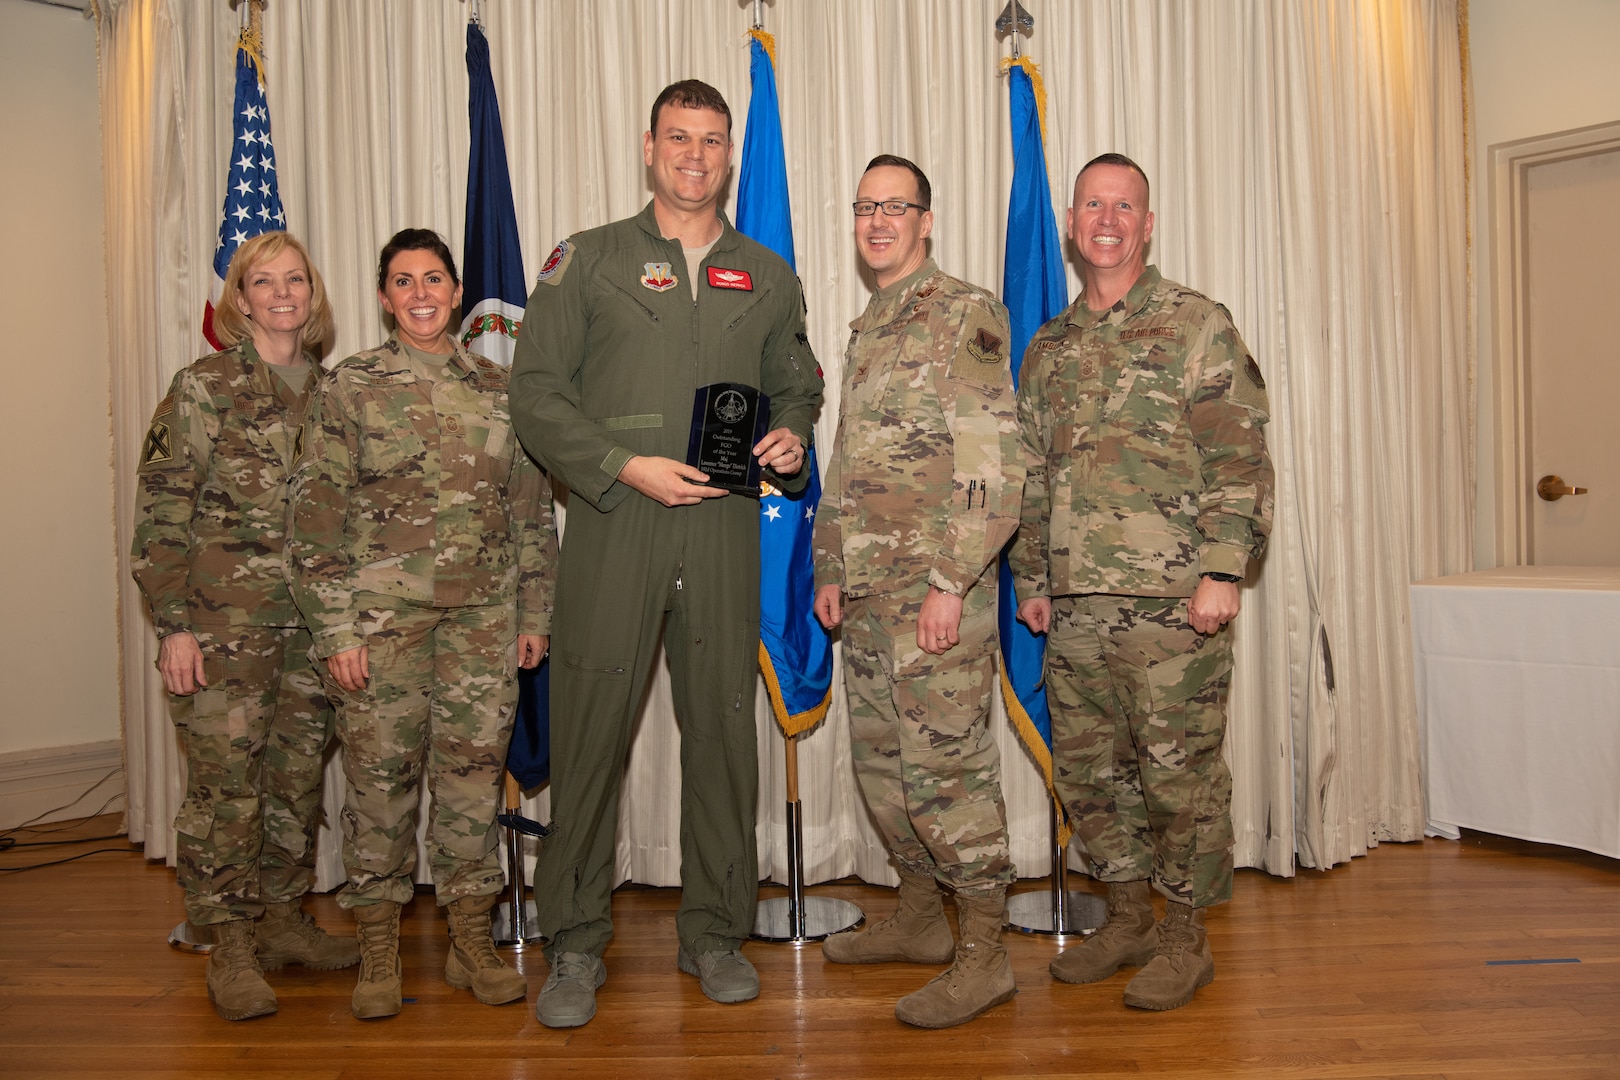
1307, 169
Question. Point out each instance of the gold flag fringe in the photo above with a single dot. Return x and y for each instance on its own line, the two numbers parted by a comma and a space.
1034, 73
766, 40
796, 723
1037, 749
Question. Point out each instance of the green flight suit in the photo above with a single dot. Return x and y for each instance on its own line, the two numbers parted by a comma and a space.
612, 351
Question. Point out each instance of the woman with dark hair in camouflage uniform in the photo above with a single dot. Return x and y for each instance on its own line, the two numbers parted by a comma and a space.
234, 653
422, 548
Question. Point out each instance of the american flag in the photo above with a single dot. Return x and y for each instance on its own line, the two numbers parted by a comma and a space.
252, 198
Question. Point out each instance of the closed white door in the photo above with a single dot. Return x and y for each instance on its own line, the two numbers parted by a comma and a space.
1572, 362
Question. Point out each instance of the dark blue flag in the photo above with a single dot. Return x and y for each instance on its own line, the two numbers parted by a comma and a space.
492, 281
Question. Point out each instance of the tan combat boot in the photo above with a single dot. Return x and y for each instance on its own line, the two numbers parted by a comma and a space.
235, 985
1182, 964
1127, 939
288, 936
382, 977
472, 963
916, 933
982, 976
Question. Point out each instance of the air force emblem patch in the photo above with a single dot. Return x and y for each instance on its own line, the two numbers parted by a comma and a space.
659, 277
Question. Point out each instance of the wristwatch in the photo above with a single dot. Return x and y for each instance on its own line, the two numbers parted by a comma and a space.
1220, 577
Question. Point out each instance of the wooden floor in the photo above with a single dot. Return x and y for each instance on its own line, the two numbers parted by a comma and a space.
1480, 958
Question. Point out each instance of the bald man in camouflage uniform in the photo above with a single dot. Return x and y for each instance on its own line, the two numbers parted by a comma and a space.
922, 491
1149, 491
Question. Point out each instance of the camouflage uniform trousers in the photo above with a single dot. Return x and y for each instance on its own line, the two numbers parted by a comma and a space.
919, 726
1138, 703
440, 702
253, 739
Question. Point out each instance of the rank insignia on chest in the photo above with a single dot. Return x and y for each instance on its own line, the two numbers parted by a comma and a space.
985, 347
660, 277
721, 278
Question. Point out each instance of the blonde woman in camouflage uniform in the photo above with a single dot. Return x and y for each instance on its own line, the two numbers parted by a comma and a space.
252, 720
422, 551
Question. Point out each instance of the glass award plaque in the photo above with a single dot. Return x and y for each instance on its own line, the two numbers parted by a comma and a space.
728, 419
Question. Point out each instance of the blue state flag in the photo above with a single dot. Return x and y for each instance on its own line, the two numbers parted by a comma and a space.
492, 256
795, 653
1034, 290
492, 288
252, 196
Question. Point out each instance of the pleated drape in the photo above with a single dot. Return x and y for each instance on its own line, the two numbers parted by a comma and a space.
1307, 169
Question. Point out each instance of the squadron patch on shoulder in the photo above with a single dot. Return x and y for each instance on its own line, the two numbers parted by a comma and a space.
979, 356
659, 277
1249, 388
551, 271
1252, 370
158, 447
985, 347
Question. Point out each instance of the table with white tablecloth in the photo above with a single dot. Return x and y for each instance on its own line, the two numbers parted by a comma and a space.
1518, 687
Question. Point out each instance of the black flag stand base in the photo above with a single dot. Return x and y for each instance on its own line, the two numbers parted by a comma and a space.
1058, 912
797, 919
511, 923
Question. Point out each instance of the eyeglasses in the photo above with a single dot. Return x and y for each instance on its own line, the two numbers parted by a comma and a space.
891, 207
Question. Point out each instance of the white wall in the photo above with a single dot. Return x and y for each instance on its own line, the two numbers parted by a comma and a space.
58, 637
1538, 68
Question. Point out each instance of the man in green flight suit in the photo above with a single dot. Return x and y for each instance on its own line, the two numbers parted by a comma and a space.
627, 322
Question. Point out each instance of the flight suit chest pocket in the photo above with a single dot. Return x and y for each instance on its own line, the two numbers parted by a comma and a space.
641, 310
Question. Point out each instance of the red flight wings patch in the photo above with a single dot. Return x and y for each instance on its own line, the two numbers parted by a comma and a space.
721, 278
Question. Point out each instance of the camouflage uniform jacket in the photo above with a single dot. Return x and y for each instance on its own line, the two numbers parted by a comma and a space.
213, 496
614, 349
413, 485
1142, 436
924, 479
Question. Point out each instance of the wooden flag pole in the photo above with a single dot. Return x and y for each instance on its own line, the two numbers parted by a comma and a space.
796, 919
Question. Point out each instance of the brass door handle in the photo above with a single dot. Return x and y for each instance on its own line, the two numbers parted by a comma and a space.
1553, 488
